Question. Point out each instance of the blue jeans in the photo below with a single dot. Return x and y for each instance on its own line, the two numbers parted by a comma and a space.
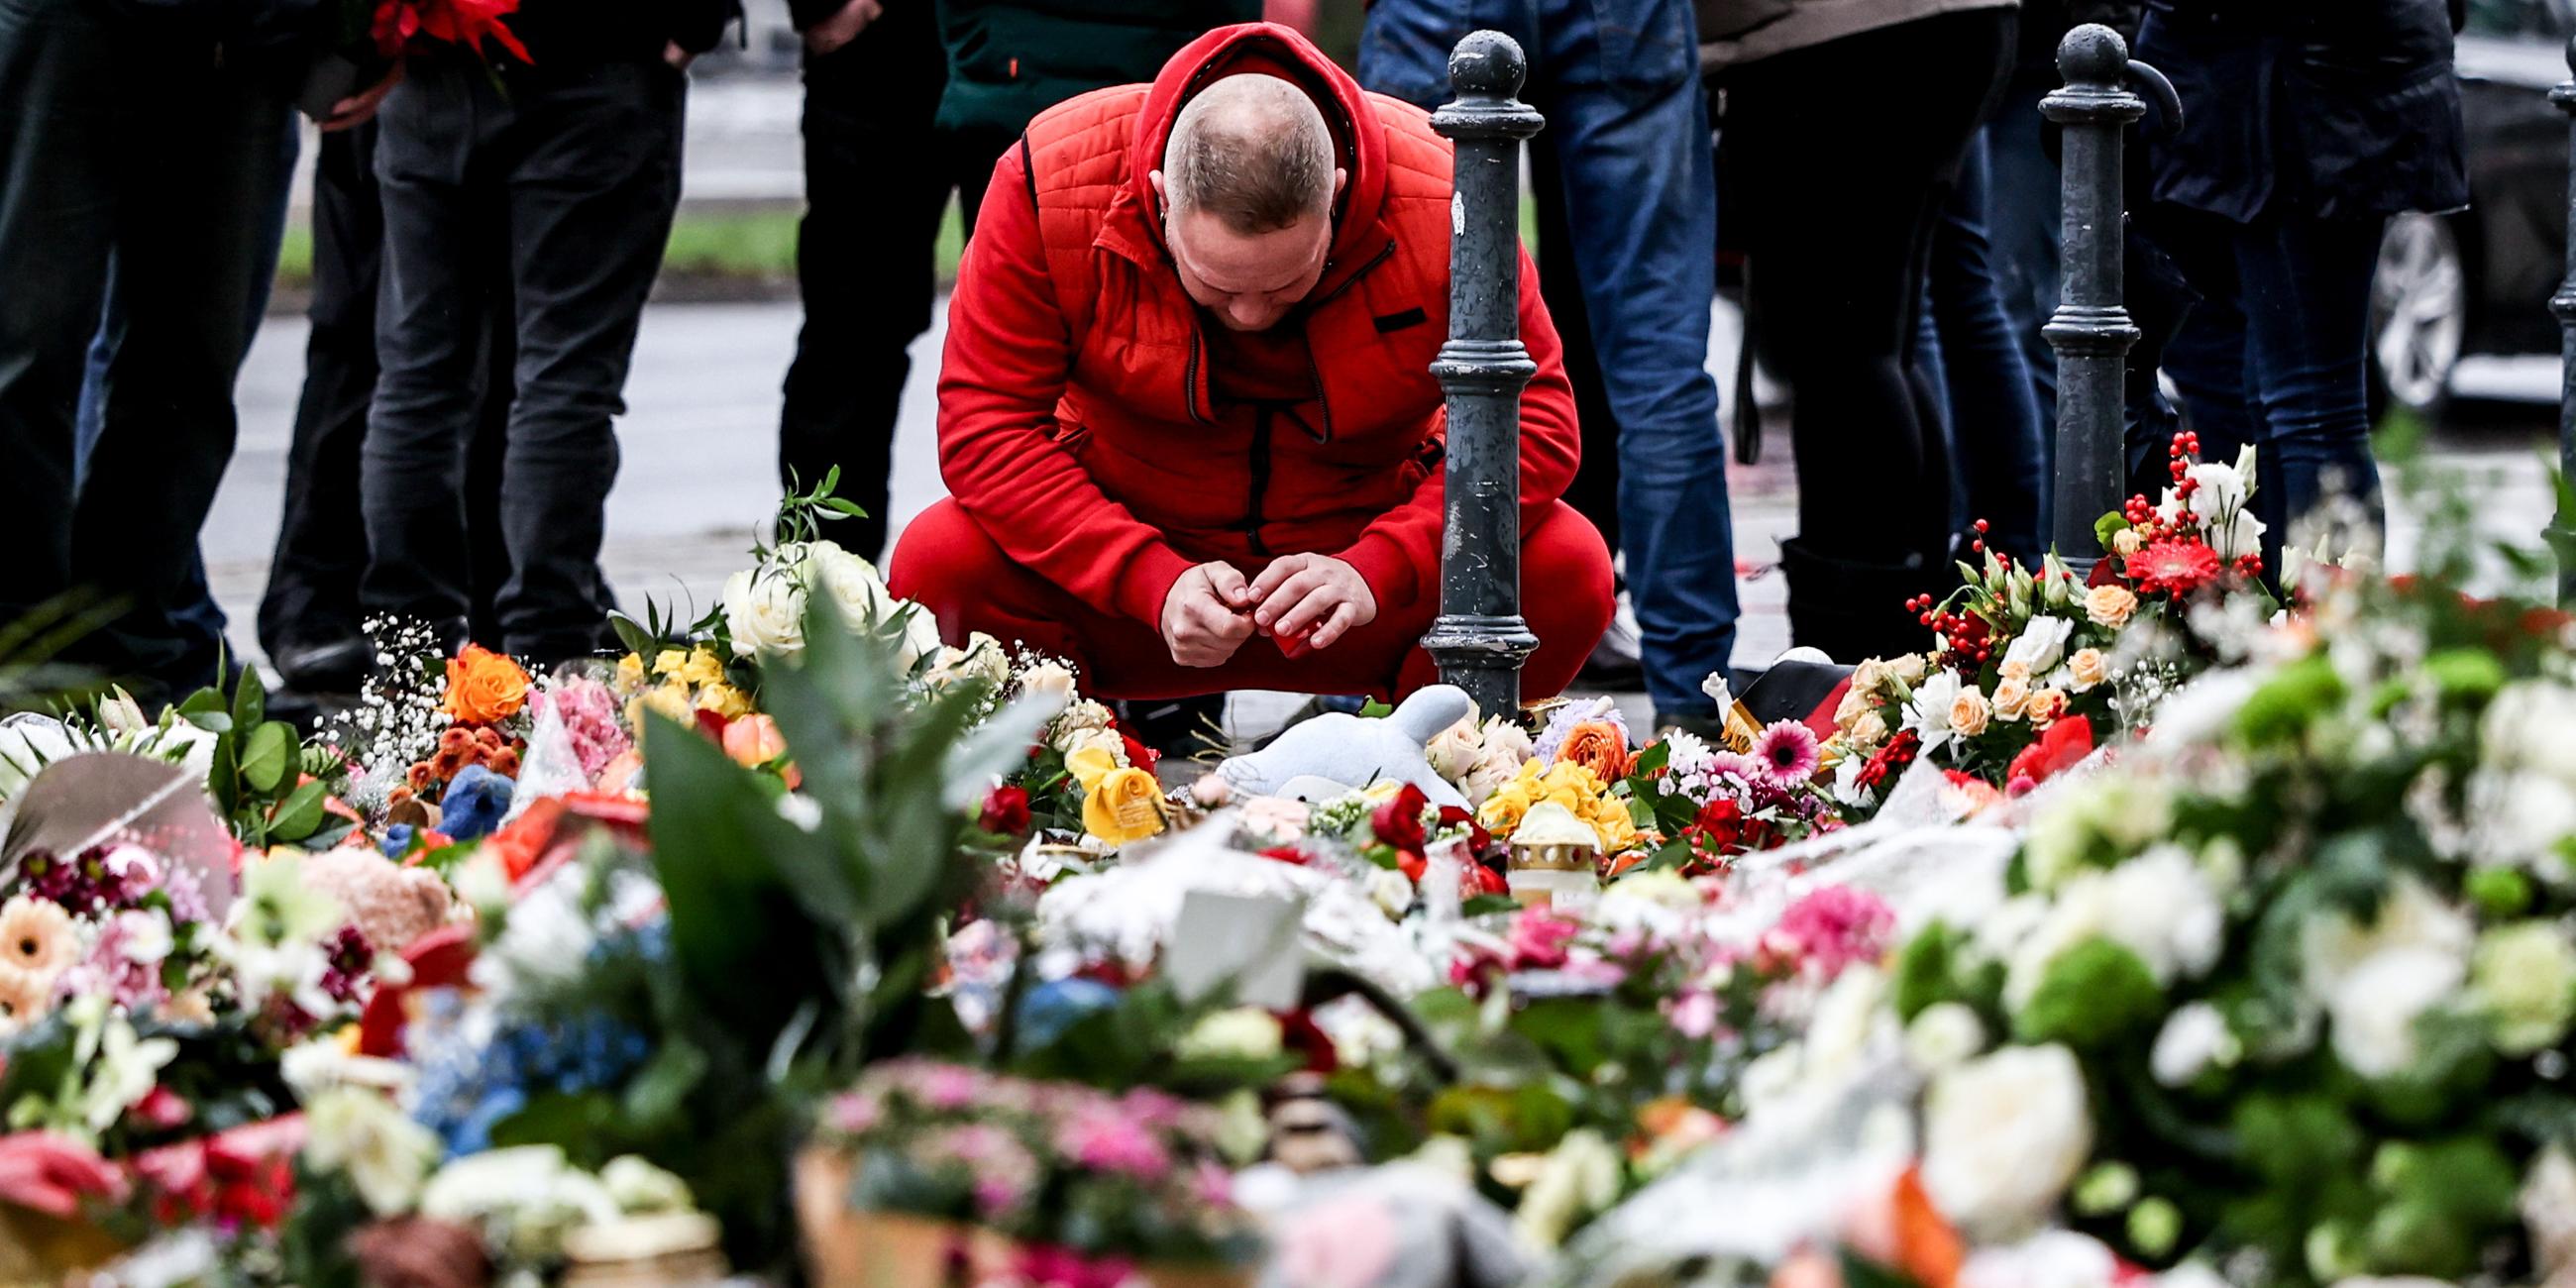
193, 612
1619, 83
1970, 352
2273, 355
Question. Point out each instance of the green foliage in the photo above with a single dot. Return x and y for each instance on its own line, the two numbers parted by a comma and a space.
258, 777
2092, 996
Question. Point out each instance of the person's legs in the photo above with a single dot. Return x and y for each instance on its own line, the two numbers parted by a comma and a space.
2024, 219
2306, 296
431, 308
1837, 276
877, 178
1995, 427
1594, 493
2207, 359
64, 83
592, 187
195, 245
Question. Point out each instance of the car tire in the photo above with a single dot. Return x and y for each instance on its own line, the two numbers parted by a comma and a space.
2419, 306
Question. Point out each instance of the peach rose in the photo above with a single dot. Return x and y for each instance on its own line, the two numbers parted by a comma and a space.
2088, 668
754, 741
2110, 605
1599, 746
2012, 696
1868, 731
2015, 669
2046, 705
484, 687
2126, 542
1969, 713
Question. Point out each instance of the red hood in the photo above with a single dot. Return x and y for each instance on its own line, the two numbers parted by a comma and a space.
1269, 48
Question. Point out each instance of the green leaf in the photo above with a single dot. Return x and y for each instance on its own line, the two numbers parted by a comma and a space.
1650, 760
1375, 710
205, 702
658, 1089
1489, 905
634, 636
300, 813
2094, 994
250, 701
2109, 526
267, 754
843, 508
216, 721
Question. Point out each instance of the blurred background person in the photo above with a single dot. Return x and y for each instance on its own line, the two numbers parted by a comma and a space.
1841, 194
1981, 382
1630, 177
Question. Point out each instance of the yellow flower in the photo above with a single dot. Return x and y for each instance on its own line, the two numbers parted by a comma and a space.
670, 698
1381, 791
703, 668
1089, 766
669, 661
630, 673
1502, 812
724, 699
1126, 806
1610, 818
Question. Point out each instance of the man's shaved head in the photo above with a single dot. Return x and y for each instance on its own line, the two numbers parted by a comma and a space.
1253, 151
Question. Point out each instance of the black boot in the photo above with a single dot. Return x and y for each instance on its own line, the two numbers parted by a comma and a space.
1854, 609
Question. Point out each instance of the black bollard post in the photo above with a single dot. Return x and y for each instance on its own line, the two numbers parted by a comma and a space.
2562, 529
2091, 330
1480, 639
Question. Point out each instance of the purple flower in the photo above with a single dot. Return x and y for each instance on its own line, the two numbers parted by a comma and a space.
1786, 754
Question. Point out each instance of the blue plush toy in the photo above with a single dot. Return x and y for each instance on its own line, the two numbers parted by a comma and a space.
476, 800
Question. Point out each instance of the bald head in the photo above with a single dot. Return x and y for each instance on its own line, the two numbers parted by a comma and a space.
1252, 151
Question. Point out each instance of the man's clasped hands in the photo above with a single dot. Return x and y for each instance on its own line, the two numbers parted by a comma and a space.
1306, 602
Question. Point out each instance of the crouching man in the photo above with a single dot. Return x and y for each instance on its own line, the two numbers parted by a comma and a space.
1186, 415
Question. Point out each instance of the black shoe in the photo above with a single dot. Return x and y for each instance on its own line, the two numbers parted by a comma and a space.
330, 666
1188, 728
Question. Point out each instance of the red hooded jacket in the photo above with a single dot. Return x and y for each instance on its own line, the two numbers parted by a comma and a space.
1075, 418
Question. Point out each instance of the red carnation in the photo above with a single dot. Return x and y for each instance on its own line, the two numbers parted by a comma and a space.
1006, 811
2175, 567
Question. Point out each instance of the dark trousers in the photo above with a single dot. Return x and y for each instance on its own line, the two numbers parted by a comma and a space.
877, 179
1968, 349
2273, 355
1619, 83
121, 145
1842, 201
321, 555
580, 171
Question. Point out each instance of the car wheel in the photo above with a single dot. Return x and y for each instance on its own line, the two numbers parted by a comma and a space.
2418, 316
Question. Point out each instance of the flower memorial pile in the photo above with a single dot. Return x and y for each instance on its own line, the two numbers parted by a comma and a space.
792, 935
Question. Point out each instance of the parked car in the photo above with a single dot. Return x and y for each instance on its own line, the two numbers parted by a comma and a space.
2478, 281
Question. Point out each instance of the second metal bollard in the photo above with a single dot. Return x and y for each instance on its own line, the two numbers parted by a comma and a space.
1480, 639
2091, 330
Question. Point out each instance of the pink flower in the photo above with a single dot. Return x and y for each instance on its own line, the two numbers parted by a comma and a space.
589, 714
1833, 928
1693, 1015
1786, 754
1540, 937
946, 1086
1111, 1142
1053, 1266
856, 1112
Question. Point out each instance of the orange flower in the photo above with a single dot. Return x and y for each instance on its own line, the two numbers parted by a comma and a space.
484, 687
1599, 746
754, 741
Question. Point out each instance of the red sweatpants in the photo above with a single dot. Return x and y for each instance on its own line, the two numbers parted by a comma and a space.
946, 562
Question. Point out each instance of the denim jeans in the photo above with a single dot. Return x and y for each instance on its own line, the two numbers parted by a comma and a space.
194, 612
1619, 83
1970, 353
129, 145
582, 173
2273, 355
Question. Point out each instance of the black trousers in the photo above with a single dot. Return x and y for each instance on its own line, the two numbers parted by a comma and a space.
877, 179
321, 554
581, 168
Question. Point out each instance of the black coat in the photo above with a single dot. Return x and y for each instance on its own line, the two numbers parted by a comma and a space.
2340, 108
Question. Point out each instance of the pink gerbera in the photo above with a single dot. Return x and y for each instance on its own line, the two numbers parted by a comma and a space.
1786, 754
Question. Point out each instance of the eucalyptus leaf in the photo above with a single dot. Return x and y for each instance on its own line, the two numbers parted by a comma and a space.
266, 755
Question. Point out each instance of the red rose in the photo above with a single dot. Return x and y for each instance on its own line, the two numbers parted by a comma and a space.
1138, 754
2068, 741
1489, 881
1006, 811
1478, 839
1398, 823
1721, 821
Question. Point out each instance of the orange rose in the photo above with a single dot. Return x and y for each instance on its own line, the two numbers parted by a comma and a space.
1599, 746
484, 687
754, 741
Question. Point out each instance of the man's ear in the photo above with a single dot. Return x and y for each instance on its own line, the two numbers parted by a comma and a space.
1161, 198
1341, 180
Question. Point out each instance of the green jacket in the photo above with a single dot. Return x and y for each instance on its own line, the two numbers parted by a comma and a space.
1009, 60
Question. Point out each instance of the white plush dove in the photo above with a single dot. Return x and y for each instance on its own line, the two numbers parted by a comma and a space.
1355, 751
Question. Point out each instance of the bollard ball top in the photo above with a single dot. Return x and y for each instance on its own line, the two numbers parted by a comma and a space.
2093, 54
1487, 64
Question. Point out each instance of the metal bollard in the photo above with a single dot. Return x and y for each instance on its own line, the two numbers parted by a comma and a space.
1480, 639
2562, 528
2091, 330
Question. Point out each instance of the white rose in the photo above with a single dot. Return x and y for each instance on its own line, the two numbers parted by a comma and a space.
1454, 750
1944, 1036
1085, 714
865, 603
1104, 739
2163, 909
2374, 981
1928, 713
1498, 765
2531, 725
2003, 1136
2194, 1037
2050, 1259
2524, 977
765, 612
1243, 1033
1391, 892
1047, 680
2041, 643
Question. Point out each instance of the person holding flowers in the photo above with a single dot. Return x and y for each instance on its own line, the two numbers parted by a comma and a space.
1186, 417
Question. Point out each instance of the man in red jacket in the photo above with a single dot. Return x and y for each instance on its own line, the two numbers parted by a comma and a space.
1186, 416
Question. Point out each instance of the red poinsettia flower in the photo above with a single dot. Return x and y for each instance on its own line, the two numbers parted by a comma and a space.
2066, 742
2175, 567
1398, 823
1006, 811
